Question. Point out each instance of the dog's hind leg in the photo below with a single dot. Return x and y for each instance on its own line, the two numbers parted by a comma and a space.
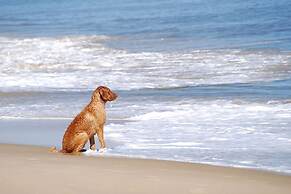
80, 141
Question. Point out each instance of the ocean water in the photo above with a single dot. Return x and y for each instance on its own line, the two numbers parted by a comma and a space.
198, 81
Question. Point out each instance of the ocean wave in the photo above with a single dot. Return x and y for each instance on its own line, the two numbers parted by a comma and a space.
32, 118
82, 62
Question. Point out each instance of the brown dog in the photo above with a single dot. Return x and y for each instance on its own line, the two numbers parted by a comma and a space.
89, 122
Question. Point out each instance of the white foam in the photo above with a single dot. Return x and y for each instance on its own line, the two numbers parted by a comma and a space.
84, 62
197, 130
218, 139
91, 152
246, 162
98, 152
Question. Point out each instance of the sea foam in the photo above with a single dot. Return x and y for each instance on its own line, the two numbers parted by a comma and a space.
82, 62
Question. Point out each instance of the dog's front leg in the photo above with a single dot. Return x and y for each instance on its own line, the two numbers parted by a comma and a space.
92, 143
101, 137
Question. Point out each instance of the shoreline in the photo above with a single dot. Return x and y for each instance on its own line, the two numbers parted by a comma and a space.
133, 157
48, 133
32, 169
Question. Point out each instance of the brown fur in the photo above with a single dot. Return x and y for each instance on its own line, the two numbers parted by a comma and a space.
89, 122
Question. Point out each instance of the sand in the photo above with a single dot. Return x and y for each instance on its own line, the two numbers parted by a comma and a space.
31, 169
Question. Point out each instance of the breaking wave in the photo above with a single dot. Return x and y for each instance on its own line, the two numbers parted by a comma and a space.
82, 62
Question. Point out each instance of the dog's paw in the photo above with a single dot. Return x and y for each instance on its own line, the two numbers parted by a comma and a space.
102, 150
90, 152
93, 147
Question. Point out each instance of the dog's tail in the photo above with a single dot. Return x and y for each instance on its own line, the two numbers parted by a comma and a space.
53, 149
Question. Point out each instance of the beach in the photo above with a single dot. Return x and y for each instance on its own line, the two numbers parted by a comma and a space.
32, 169
204, 101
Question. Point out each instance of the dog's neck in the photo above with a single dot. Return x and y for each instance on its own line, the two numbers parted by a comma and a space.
95, 106
97, 102
96, 98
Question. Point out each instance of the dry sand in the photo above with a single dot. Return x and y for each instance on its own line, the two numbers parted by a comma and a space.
30, 169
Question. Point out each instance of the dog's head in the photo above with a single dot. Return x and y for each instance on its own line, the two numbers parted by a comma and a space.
105, 94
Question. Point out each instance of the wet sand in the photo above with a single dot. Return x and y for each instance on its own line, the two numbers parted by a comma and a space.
32, 169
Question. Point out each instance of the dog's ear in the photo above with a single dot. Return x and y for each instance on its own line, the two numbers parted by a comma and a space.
104, 93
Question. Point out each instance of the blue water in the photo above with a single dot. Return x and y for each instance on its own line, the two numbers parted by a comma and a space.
155, 25
198, 81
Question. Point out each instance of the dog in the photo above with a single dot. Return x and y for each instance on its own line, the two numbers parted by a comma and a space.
88, 123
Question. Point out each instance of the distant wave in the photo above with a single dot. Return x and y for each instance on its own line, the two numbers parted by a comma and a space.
33, 118
82, 62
